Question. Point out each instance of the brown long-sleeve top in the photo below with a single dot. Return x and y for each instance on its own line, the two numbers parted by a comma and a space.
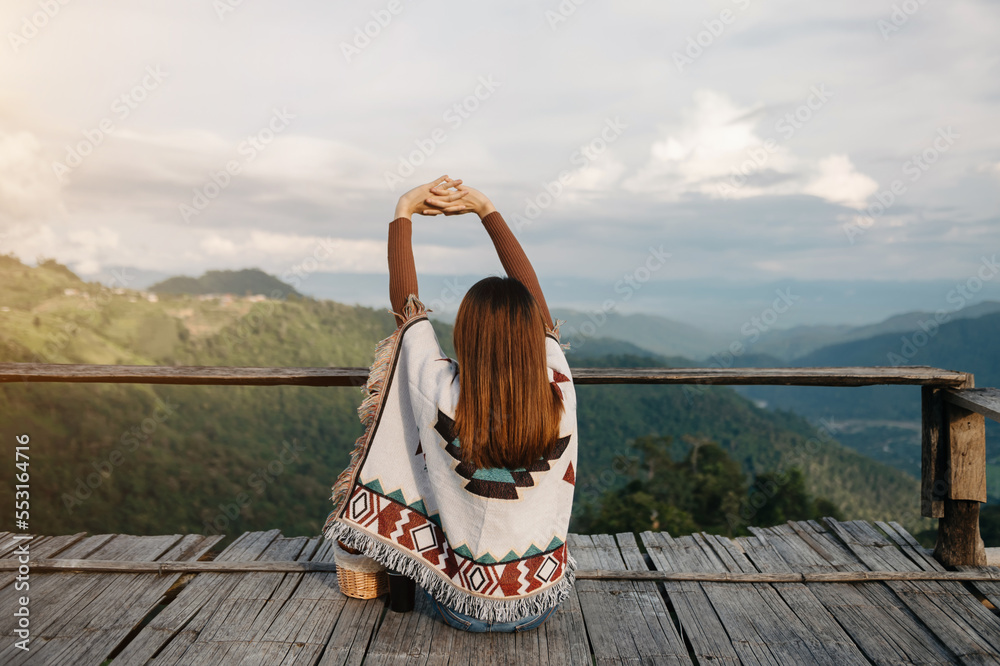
403, 272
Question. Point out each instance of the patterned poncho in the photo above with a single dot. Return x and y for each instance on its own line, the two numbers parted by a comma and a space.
490, 543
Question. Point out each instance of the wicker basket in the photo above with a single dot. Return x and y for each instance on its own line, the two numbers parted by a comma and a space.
359, 576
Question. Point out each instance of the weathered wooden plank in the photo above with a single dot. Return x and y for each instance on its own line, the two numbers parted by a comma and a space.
190, 375
989, 589
177, 626
254, 602
48, 565
958, 538
356, 623
985, 401
306, 619
59, 565
824, 636
737, 606
96, 630
614, 611
653, 632
653, 605
963, 624
878, 622
700, 622
59, 632
39, 547
564, 634
778, 625
835, 376
8, 544
966, 460
922, 558
611, 621
406, 638
237, 621
254, 376
50, 592
933, 449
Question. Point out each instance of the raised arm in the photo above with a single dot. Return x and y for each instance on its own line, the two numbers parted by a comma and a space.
512, 255
402, 270
514, 260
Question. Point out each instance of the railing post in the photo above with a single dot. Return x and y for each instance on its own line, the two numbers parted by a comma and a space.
933, 489
963, 435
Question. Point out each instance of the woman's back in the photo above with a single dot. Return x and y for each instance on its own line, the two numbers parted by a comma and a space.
465, 475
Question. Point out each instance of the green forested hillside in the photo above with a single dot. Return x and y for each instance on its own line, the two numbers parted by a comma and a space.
759, 439
148, 459
968, 345
884, 421
247, 282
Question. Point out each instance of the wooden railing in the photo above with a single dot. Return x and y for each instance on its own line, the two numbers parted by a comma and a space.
953, 467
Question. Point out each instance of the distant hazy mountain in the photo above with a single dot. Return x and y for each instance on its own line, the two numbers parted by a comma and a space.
883, 421
649, 332
129, 277
774, 347
606, 347
215, 442
796, 342
248, 282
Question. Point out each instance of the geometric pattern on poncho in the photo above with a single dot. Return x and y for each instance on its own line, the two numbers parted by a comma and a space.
499, 483
423, 538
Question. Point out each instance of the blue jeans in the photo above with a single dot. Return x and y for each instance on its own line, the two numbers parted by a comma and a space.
469, 623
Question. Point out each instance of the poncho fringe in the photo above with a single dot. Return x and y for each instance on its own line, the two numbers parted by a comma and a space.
485, 609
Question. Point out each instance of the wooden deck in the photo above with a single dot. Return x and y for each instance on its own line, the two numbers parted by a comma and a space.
296, 617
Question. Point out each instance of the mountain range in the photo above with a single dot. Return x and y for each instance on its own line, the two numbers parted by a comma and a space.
145, 459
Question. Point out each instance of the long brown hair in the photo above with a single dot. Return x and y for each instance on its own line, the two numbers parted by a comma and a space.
508, 413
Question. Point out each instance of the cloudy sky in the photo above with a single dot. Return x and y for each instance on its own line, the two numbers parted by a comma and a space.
751, 142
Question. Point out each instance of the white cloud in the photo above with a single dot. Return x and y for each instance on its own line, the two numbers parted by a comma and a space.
280, 253
28, 187
83, 250
216, 246
713, 139
719, 151
838, 181
687, 133
991, 168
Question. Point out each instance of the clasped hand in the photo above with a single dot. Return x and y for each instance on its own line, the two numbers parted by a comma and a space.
443, 196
